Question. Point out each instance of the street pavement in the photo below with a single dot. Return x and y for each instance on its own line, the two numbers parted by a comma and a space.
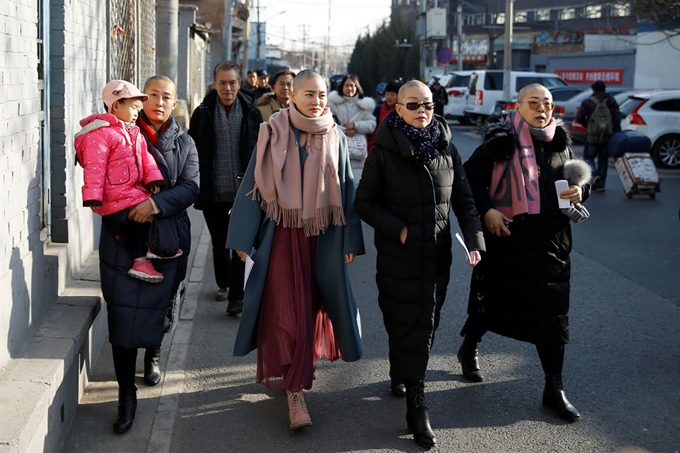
621, 368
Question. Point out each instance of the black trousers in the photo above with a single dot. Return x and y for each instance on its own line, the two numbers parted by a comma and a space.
124, 364
229, 268
550, 355
411, 331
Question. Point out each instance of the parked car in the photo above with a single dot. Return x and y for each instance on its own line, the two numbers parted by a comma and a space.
560, 94
456, 90
656, 114
566, 110
486, 89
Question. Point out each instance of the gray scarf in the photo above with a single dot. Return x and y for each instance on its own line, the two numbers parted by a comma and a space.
227, 160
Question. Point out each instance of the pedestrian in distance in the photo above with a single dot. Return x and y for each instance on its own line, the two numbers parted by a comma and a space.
294, 216
225, 128
412, 178
251, 83
119, 172
354, 113
601, 116
439, 97
521, 287
282, 85
139, 313
262, 84
381, 111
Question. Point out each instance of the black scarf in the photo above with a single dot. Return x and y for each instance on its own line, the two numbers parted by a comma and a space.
424, 140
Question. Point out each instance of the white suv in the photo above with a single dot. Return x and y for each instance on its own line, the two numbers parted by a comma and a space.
486, 88
656, 114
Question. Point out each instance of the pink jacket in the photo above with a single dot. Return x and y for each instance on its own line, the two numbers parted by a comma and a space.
117, 165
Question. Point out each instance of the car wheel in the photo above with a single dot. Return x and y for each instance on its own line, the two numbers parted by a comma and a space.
666, 152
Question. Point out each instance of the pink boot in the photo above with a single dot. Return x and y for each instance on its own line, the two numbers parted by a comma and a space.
144, 270
297, 410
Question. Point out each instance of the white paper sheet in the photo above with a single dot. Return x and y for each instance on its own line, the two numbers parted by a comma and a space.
249, 267
561, 185
462, 242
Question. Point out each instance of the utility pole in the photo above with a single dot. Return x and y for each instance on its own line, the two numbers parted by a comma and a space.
226, 30
167, 25
459, 26
304, 46
259, 34
246, 37
423, 38
507, 49
326, 64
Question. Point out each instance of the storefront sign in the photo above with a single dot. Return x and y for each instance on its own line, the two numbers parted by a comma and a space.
608, 76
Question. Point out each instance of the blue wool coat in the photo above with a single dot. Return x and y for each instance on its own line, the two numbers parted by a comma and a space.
249, 228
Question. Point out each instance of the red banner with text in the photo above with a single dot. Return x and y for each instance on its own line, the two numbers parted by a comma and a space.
608, 76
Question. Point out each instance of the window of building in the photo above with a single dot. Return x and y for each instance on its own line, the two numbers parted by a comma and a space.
475, 19
593, 12
521, 17
567, 14
542, 14
500, 18
621, 10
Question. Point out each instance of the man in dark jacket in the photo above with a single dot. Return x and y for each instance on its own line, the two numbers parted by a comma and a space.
439, 97
225, 128
599, 150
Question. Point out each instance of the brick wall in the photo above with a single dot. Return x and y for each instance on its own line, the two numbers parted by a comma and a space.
20, 189
79, 72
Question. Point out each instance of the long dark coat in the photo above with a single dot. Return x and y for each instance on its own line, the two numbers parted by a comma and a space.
521, 287
395, 191
139, 313
251, 229
202, 130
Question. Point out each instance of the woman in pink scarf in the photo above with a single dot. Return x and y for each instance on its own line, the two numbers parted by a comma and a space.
521, 287
294, 216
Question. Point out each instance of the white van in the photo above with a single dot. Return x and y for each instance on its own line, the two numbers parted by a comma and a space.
486, 88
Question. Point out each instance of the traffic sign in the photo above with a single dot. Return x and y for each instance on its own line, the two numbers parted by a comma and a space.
444, 56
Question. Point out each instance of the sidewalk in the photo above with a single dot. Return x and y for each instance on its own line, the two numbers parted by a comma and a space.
92, 429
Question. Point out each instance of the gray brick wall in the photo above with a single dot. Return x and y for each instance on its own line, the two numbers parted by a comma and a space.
79, 67
21, 250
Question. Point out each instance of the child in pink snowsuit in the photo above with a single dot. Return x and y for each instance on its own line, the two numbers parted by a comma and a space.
119, 171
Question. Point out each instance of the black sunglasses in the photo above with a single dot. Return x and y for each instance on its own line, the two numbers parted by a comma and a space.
417, 105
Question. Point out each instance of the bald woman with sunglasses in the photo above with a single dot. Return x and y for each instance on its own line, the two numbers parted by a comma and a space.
411, 180
521, 287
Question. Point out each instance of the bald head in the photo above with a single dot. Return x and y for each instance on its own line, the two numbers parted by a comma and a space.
303, 76
523, 92
407, 86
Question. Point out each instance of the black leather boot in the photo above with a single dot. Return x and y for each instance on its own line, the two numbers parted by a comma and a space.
152, 374
418, 417
555, 398
127, 405
397, 388
467, 357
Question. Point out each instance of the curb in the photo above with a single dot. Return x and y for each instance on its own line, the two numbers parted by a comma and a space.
160, 439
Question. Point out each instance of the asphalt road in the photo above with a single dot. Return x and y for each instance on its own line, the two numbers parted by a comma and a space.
621, 369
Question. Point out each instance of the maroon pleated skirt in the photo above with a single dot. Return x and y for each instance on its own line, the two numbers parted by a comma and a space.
293, 328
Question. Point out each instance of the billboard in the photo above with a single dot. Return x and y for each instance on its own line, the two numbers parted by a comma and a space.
436, 23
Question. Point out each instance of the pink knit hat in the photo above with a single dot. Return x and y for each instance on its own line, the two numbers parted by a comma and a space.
116, 90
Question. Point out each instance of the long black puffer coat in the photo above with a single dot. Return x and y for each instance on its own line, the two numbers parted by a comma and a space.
139, 313
521, 286
395, 191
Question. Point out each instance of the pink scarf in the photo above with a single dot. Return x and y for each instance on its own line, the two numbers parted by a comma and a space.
309, 199
514, 183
